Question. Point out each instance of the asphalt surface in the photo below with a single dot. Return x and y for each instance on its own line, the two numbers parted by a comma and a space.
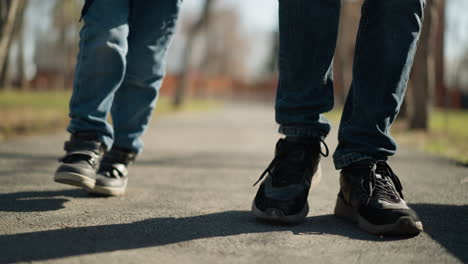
189, 198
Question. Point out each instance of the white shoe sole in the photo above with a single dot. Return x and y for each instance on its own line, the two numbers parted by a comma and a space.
109, 191
74, 179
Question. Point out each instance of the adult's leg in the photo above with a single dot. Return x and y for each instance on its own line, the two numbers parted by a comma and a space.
101, 67
385, 47
152, 25
308, 33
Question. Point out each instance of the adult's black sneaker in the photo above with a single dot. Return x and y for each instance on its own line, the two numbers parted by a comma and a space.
371, 195
282, 196
80, 163
112, 176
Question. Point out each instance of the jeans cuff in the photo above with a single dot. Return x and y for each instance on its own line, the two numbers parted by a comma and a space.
107, 141
346, 159
301, 131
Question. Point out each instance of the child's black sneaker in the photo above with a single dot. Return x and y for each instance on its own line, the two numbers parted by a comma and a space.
371, 196
112, 176
79, 165
282, 196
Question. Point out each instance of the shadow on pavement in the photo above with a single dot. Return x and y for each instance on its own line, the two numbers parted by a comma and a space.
52, 244
38, 201
448, 225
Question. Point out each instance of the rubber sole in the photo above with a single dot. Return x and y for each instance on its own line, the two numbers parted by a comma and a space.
275, 215
74, 179
404, 226
109, 191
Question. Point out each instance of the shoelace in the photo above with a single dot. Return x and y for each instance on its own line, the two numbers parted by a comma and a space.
280, 155
115, 162
111, 170
382, 186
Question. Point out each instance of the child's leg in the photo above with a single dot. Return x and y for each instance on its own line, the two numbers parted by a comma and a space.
99, 72
101, 67
308, 32
152, 24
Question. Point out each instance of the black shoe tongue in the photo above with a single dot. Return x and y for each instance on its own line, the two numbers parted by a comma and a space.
296, 156
76, 158
291, 169
296, 151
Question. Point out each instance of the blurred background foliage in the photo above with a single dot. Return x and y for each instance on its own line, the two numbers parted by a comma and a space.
227, 50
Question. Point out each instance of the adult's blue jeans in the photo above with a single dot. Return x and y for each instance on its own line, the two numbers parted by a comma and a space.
385, 47
120, 68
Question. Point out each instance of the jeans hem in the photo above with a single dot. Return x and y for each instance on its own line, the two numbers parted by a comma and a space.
105, 140
342, 161
301, 131
108, 142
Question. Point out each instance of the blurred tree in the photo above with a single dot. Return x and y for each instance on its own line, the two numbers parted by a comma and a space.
423, 74
65, 20
11, 19
271, 66
462, 80
224, 44
344, 54
224, 52
191, 35
22, 80
440, 35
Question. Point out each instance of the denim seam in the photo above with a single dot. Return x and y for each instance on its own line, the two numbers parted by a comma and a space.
80, 62
362, 27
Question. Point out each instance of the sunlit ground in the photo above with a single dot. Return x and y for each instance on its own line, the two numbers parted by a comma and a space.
25, 113
447, 136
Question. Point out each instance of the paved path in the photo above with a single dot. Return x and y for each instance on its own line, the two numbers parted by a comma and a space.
189, 197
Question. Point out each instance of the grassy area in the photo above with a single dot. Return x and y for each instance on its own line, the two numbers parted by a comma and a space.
25, 113
447, 136
453, 122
